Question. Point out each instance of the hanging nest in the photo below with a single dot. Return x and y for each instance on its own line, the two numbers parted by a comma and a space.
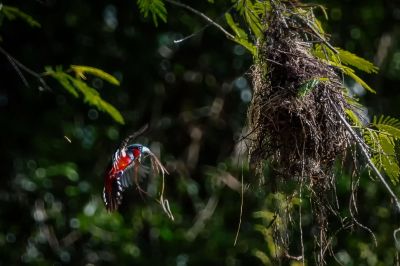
292, 123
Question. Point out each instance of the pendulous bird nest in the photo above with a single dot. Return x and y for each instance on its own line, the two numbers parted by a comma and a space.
291, 121
294, 117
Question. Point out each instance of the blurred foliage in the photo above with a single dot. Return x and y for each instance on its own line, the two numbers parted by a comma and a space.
12, 13
195, 95
91, 96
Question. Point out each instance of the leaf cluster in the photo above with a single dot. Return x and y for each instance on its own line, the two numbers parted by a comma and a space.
77, 87
11, 13
383, 138
155, 8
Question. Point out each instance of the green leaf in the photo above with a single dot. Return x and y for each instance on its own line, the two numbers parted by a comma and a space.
388, 160
252, 20
12, 13
397, 150
240, 33
388, 124
262, 8
323, 9
241, 36
351, 59
383, 151
318, 26
154, 7
90, 95
326, 54
351, 73
82, 70
62, 79
353, 117
262, 256
307, 87
246, 44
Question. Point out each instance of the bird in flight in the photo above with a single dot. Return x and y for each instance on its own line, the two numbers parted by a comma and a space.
125, 169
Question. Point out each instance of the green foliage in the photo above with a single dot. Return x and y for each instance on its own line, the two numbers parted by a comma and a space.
382, 137
12, 13
252, 12
353, 117
90, 95
388, 124
154, 7
351, 59
240, 35
336, 60
308, 86
81, 70
51, 199
351, 73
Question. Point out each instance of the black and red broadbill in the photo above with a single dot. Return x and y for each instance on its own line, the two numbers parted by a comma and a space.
124, 172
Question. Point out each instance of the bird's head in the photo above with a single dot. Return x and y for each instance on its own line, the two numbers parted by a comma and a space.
135, 151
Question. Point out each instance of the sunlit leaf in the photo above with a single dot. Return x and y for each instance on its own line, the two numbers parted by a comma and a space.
240, 33
383, 153
388, 160
82, 70
248, 45
351, 73
253, 21
353, 117
90, 95
154, 7
351, 59
13, 13
388, 124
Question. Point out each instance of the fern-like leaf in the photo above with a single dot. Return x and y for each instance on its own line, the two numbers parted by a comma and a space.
382, 142
388, 159
154, 7
240, 35
90, 95
351, 73
80, 71
388, 124
351, 59
261, 8
353, 117
13, 13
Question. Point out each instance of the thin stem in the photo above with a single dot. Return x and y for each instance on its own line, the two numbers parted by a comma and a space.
191, 9
241, 209
18, 65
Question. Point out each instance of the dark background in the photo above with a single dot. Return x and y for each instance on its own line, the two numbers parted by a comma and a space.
194, 95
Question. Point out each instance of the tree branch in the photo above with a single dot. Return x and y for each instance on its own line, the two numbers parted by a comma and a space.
191, 9
18, 66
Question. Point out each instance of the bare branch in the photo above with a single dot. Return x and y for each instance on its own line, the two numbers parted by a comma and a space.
191, 9
18, 66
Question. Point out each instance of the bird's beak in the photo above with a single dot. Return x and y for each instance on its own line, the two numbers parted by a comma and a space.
146, 150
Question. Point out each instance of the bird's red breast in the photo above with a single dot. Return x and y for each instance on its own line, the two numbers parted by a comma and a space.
120, 176
120, 165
